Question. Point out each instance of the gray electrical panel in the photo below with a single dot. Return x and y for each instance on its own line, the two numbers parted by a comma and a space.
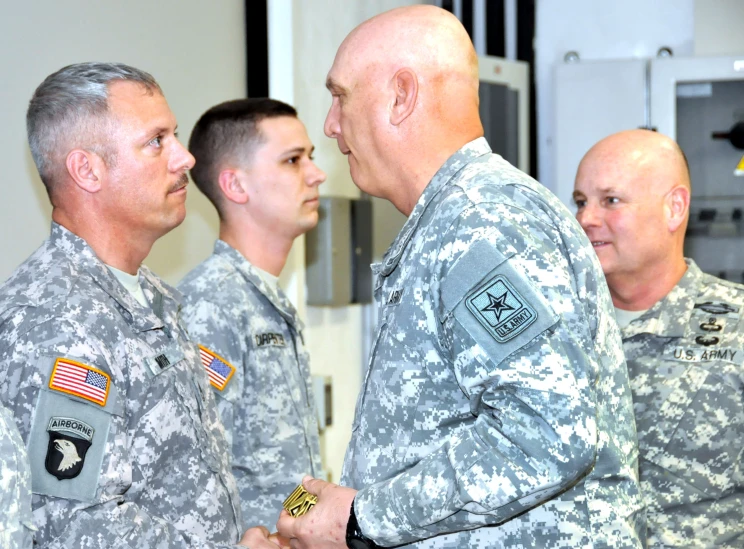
328, 254
338, 253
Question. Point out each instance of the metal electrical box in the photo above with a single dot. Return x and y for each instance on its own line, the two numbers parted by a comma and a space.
697, 101
338, 253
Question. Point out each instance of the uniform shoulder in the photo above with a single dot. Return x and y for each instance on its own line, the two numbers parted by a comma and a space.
722, 290
215, 280
491, 180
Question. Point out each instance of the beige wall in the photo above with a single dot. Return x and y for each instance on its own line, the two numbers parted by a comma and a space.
177, 41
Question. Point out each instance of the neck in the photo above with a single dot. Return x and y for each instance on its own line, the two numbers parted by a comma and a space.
118, 247
262, 247
418, 166
642, 290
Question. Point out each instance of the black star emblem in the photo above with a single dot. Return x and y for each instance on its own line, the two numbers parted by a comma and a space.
497, 305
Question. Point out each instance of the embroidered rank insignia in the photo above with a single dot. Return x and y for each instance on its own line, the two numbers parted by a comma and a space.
500, 309
218, 369
69, 440
81, 380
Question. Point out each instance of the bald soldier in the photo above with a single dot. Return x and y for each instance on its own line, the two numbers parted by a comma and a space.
683, 334
496, 409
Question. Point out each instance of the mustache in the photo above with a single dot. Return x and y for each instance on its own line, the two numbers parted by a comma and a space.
180, 184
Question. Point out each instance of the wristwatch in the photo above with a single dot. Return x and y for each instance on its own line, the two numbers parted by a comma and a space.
354, 537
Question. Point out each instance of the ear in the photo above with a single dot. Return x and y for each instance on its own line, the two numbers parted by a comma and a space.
405, 84
232, 187
85, 169
677, 206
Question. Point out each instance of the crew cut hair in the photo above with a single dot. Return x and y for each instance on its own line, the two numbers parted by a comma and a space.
70, 108
228, 134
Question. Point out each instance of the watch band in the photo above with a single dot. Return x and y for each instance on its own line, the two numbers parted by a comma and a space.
354, 537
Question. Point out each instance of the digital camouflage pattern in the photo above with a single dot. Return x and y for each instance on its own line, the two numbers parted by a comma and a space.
685, 358
267, 407
156, 470
16, 523
496, 409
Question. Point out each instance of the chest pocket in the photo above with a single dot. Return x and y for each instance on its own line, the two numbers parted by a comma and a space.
699, 432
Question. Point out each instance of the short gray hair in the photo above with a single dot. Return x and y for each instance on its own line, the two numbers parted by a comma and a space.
71, 104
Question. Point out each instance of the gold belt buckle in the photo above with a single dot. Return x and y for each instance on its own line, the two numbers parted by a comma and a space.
299, 502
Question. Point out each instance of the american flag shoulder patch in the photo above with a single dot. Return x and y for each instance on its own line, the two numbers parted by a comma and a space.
218, 369
81, 380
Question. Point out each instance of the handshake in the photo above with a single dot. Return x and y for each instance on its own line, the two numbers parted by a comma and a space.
317, 514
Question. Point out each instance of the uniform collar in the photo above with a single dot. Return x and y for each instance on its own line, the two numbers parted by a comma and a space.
449, 169
670, 316
250, 273
164, 300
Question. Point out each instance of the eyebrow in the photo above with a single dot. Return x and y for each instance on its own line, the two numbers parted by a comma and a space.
298, 150
332, 85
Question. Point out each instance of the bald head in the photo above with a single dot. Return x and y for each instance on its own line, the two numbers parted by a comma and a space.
405, 98
632, 193
425, 38
641, 155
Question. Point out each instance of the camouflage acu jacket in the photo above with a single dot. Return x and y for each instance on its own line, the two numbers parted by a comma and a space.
123, 436
496, 409
16, 523
267, 404
686, 362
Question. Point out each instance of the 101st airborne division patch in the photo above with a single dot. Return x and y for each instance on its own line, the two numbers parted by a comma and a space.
500, 309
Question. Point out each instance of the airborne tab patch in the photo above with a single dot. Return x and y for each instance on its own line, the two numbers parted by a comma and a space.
500, 309
218, 369
81, 380
69, 440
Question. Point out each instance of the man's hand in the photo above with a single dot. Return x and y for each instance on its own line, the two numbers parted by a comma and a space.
323, 526
258, 537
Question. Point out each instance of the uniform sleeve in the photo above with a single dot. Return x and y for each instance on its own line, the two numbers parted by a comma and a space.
521, 347
211, 327
82, 441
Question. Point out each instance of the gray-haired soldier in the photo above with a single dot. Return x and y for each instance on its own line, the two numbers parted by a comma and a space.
254, 162
496, 409
16, 523
683, 334
123, 436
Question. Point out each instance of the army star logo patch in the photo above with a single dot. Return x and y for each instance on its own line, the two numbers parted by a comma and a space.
69, 440
500, 309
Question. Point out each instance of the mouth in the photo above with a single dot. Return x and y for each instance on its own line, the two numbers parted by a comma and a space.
180, 185
599, 243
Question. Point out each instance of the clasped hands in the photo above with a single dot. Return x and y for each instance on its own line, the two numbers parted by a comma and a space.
323, 527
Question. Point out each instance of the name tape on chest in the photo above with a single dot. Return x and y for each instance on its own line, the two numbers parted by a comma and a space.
219, 370
81, 380
697, 354
500, 309
270, 340
69, 441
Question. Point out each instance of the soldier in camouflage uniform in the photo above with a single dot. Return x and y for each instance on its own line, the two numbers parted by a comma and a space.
683, 334
16, 524
254, 162
123, 435
496, 410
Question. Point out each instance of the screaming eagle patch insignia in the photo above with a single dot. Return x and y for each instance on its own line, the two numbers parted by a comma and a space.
69, 440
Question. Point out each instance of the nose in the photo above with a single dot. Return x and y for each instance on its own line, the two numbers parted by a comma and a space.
588, 216
315, 176
331, 126
181, 159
